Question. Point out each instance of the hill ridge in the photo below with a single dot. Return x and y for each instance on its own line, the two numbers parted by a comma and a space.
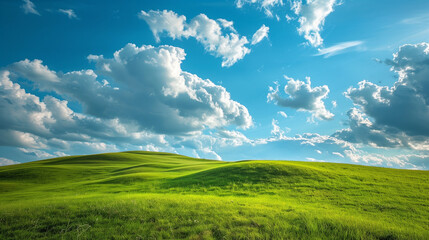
252, 199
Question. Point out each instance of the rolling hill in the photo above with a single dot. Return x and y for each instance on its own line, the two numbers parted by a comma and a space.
150, 195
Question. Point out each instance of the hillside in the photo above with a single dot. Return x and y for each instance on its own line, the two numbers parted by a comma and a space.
149, 195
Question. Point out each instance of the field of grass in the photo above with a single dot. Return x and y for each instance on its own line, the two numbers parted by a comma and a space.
148, 195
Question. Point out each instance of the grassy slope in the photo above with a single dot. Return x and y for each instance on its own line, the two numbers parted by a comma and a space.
144, 195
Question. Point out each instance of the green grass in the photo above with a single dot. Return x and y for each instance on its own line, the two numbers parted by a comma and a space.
147, 195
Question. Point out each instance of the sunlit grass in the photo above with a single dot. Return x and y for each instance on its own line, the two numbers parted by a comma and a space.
143, 195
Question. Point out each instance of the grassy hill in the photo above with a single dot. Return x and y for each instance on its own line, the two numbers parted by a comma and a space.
148, 195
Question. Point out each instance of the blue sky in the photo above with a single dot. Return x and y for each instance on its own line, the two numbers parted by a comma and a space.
322, 80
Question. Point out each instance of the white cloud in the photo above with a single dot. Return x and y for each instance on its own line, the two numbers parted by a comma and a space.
21, 111
5, 162
337, 49
174, 100
313, 146
69, 12
227, 24
283, 114
38, 153
229, 46
29, 7
11, 137
35, 70
310, 14
303, 97
210, 154
314, 160
100, 146
393, 116
158, 105
400, 160
338, 154
277, 131
27, 121
260, 34
421, 19
231, 138
311, 17
266, 5
362, 130
166, 21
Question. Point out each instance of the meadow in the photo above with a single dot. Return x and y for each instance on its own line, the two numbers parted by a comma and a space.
150, 195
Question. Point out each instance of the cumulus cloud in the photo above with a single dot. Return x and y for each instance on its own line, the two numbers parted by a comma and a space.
30, 122
311, 17
394, 116
311, 145
11, 137
20, 111
34, 70
69, 12
115, 120
147, 101
174, 101
29, 7
167, 21
5, 162
363, 130
210, 33
266, 5
400, 160
322, 147
231, 138
310, 14
303, 97
260, 34
355, 154
227, 24
337, 49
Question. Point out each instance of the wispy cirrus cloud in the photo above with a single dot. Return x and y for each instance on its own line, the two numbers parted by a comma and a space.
29, 7
337, 48
416, 19
260, 34
69, 12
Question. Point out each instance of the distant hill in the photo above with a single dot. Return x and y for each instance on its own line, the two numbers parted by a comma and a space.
151, 195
